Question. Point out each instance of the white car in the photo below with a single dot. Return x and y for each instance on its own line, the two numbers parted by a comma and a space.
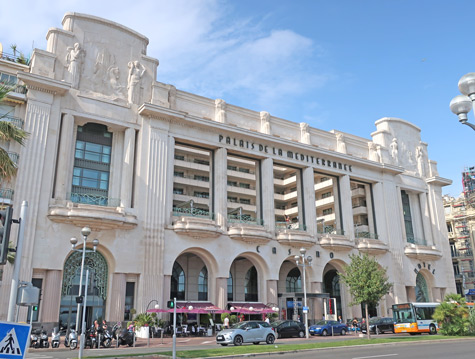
246, 332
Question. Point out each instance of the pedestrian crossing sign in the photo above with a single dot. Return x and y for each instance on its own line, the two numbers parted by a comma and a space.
13, 340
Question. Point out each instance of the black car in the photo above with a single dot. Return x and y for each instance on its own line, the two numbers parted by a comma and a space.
288, 328
379, 325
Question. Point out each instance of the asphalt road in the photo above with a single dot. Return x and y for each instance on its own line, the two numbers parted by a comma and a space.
459, 349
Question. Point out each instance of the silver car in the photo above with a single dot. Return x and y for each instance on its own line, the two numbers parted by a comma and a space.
246, 332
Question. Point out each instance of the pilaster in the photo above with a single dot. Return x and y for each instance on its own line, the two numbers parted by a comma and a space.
309, 200
51, 295
346, 210
127, 168
221, 292
65, 157
117, 298
267, 183
220, 184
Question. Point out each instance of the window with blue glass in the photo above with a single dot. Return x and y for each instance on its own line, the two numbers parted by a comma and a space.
91, 171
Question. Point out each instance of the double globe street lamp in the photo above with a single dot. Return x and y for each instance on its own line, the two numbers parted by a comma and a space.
85, 231
462, 104
304, 262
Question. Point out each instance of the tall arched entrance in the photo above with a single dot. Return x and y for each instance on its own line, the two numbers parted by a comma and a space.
96, 288
422, 291
331, 283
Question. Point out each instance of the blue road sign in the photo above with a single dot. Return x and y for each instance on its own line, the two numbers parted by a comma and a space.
13, 340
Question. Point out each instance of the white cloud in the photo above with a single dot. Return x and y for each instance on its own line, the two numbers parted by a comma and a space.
204, 46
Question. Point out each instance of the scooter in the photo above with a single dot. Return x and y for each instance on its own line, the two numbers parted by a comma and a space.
105, 338
55, 338
126, 337
43, 339
71, 339
34, 343
91, 340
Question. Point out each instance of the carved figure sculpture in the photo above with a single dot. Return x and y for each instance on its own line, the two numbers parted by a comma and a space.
74, 60
420, 160
394, 151
116, 88
304, 134
220, 111
136, 71
340, 143
373, 154
265, 122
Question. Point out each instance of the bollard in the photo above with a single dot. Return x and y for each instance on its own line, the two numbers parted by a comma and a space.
161, 334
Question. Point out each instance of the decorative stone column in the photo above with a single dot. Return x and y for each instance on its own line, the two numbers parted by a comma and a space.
221, 297
167, 284
346, 209
220, 184
309, 200
51, 296
267, 172
127, 168
426, 220
117, 298
271, 295
65, 157
317, 303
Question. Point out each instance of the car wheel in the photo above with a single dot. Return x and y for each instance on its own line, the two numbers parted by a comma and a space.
237, 340
343, 332
324, 333
255, 343
301, 334
270, 339
224, 345
432, 329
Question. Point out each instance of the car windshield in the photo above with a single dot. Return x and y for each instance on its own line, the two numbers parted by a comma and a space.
322, 322
240, 325
277, 323
374, 320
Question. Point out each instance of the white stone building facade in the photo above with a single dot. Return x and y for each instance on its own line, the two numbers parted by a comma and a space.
199, 199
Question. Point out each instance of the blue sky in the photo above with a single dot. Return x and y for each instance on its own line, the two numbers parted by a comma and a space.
334, 64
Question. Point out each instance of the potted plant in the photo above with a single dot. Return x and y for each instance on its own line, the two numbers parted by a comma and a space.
142, 323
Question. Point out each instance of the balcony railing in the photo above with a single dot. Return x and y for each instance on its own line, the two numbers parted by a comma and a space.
330, 230
294, 226
244, 219
364, 234
14, 157
19, 59
97, 200
16, 121
417, 241
193, 212
6, 193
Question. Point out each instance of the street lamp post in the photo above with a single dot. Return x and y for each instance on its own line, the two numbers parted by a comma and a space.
85, 231
157, 306
462, 104
304, 262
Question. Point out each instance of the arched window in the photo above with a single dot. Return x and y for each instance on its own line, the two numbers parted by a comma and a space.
96, 288
177, 289
203, 284
230, 287
293, 282
250, 285
422, 292
332, 287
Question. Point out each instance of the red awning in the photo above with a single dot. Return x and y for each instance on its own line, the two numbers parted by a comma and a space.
197, 308
249, 308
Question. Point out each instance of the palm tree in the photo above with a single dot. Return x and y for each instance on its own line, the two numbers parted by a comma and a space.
8, 132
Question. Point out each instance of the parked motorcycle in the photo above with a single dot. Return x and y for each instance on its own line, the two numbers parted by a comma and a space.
91, 340
126, 337
55, 338
105, 338
34, 342
43, 339
71, 339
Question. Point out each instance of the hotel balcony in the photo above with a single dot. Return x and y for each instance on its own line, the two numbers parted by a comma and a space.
417, 248
6, 195
247, 229
335, 239
97, 212
195, 222
358, 192
325, 185
293, 234
16, 121
369, 243
191, 181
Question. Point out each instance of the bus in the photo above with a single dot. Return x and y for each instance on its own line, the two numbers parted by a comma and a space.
415, 318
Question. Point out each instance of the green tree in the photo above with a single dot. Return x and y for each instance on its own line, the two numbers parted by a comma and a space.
453, 315
366, 280
8, 132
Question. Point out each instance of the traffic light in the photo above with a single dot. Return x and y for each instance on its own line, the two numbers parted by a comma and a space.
171, 304
6, 219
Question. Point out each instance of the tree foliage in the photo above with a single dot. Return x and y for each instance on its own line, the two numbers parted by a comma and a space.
8, 132
453, 315
366, 280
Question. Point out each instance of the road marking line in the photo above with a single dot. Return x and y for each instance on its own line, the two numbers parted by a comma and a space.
210, 341
377, 356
